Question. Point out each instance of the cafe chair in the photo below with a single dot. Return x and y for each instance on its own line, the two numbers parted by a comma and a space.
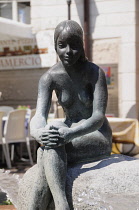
29, 137
32, 113
125, 136
15, 132
57, 109
6, 109
2, 114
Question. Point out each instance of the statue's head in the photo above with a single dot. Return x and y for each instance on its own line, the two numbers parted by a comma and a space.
70, 32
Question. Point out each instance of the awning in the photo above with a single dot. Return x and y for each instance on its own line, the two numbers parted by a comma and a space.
10, 29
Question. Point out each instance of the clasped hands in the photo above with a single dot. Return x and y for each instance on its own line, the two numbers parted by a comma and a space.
54, 137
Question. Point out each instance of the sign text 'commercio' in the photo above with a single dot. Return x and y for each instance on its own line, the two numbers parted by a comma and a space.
20, 62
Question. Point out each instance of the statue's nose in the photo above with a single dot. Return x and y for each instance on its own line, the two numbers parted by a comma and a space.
68, 49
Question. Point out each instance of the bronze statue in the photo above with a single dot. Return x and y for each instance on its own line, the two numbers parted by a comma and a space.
85, 134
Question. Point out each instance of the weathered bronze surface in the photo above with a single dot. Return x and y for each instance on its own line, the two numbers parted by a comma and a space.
85, 134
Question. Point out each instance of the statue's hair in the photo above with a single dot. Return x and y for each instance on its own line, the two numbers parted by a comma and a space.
72, 28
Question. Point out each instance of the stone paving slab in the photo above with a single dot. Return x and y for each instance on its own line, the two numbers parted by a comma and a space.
19, 168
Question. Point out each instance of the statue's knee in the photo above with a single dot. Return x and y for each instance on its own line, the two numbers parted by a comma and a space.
40, 155
57, 124
108, 147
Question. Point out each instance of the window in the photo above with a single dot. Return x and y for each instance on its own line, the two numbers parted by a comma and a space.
24, 12
6, 10
18, 10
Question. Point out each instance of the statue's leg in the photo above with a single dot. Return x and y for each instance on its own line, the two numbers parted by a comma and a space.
91, 146
40, 193
55, 170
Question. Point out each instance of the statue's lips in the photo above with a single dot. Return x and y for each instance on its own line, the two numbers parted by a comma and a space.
67, 58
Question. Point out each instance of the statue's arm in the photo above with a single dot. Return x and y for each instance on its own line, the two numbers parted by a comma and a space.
98, 113
38, 122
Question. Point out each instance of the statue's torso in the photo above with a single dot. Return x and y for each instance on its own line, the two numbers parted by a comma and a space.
75, 92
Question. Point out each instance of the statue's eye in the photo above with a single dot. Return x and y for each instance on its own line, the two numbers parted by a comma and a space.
61, 45
74, 46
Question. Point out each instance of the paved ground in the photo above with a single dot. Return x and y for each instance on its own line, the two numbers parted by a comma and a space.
19, 168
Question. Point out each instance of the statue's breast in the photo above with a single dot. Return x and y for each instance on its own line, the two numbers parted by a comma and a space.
86, 95
75, 95
65, 98
85, 98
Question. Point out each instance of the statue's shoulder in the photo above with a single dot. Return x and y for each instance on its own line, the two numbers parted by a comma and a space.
93, 72
51, 72
91, 68
95, 68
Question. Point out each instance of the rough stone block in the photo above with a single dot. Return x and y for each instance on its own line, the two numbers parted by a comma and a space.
94, 185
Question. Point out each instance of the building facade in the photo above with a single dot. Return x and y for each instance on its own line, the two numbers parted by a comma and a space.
113, 37
113, 44
21, 55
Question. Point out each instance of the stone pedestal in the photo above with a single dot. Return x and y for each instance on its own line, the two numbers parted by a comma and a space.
112, 183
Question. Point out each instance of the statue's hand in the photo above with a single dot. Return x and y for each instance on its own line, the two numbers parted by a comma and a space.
65, 133
37, 134
52, 139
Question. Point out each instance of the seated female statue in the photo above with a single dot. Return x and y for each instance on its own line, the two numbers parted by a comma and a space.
85, 134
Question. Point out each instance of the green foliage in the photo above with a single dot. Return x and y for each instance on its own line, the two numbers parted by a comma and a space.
7, 202
23, 107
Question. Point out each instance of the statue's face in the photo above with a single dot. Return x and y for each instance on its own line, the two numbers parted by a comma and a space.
69, 49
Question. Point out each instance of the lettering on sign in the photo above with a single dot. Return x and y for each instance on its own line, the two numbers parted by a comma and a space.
20, 62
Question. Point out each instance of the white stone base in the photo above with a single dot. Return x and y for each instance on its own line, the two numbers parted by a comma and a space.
110, 184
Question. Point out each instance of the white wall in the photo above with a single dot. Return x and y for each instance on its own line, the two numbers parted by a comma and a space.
115, 19
137, 57
46, 14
